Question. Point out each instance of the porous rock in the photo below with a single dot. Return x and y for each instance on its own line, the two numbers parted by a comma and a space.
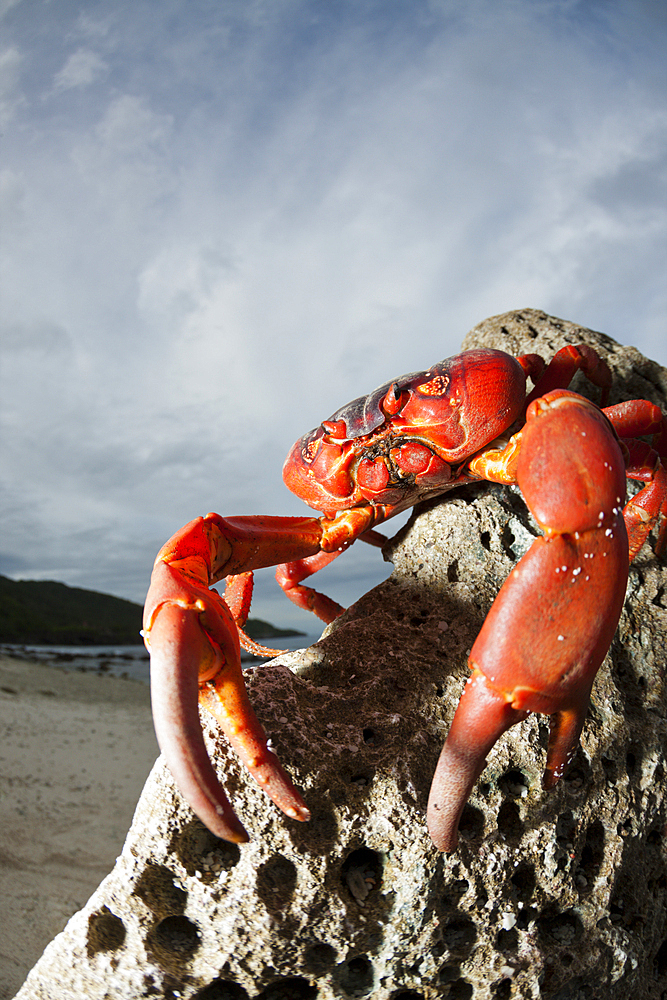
559, 894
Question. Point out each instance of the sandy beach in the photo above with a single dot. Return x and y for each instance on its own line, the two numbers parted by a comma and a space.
75, 752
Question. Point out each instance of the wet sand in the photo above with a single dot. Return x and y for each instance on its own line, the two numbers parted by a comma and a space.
75, 751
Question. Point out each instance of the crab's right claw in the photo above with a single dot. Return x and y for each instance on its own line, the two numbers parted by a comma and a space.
195, 659
178, 646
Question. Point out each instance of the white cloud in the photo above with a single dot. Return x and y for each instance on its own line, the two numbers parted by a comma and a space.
81, 69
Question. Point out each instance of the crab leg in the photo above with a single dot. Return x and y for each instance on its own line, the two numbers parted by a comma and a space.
238, 598
562, 368
644, 463
290, 576
195, 657
554, 618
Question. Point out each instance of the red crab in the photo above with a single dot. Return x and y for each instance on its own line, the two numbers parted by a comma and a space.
416, 437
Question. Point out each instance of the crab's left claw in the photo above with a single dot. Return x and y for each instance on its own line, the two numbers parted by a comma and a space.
555, 616
193, 640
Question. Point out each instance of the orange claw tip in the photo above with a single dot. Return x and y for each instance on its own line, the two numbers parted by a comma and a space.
443, 830
222, 822
302, 813
235, 838
454, 778
564, 733
221, 826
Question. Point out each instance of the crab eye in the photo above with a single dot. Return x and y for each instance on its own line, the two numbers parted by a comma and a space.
395, 400
335, 428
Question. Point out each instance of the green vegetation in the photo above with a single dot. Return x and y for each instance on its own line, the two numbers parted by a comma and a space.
44, 612
258, 629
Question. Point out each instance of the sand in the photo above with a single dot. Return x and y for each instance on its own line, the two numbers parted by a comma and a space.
75, 751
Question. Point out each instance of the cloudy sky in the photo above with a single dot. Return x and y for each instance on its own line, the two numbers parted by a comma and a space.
222, 219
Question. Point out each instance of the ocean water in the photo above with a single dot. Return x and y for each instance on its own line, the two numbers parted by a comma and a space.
126, 661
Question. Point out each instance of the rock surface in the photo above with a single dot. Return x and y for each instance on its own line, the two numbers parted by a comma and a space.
559, 895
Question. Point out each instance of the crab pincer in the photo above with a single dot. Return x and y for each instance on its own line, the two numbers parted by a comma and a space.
193, 640
553, 620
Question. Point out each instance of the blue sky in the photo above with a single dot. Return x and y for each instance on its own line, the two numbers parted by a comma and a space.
223, 220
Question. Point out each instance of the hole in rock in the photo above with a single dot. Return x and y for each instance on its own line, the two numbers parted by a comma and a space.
177, 935
455, 892
609, 768
155, 887
575, 778
592, 856
289, 988
625, 828
509, 822
221, 989
525, 916
524, 881
276, 882
660, 960
502, 990
659, 599
507, 540
458, 937
319, 957
106, 932
361, 873
565, 829
507, 941
200, 851
563, 928
407, 995
514, 784
461, 989
471, 824
617, 911
481, 899
356, 976
448, 974
362, 780
371, 737
453, 572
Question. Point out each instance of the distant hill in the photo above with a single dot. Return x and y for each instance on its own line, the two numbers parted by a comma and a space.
45, 612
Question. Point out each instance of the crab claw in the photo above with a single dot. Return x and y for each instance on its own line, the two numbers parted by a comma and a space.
193, 640
180, 648
189, 668
554, 618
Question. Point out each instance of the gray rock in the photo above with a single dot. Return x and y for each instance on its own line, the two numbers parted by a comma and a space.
559, 895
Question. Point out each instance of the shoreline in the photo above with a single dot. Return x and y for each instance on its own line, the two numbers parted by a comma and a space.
75, 751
